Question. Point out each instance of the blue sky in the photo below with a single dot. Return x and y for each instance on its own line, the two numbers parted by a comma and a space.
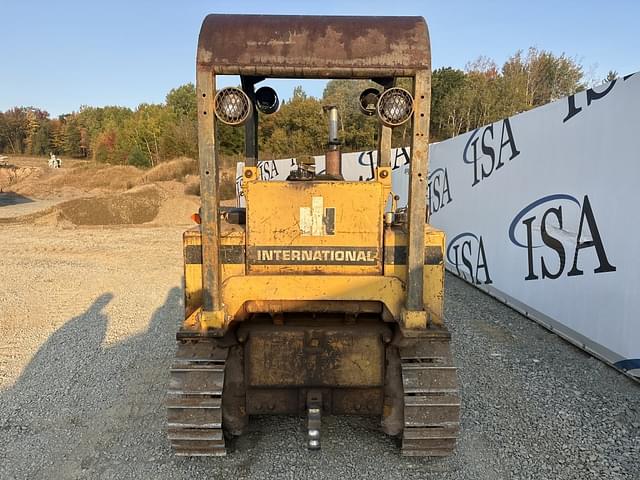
59, 55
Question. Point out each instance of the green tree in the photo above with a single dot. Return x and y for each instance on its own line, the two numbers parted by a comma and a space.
183, 101
13, 129
146, 128
484, 93
445, 83
41, 139
181, 135
461, 101
358, 131
540, 77
180, 139
297, 129
31, 127
72, 138
94, 122
104, 146
230, 139
138, 158
56, 132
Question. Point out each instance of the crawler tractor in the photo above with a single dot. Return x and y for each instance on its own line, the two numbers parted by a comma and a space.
320, 297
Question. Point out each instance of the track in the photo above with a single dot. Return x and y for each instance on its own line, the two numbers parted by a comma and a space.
194, 399
431, 397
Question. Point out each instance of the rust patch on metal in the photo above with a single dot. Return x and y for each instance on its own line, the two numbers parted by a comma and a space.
323, 46
325, 354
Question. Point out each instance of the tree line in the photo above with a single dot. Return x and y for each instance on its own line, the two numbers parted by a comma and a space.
462, 100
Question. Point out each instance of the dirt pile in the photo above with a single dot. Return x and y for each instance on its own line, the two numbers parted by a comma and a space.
89, 193
177, 169
11, 175
136, 206
96, 178
79, 178
177, 210
146, 204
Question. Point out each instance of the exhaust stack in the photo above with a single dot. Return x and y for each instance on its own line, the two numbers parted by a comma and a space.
333, 157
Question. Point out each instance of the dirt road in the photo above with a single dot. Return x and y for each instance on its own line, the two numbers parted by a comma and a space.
87, 323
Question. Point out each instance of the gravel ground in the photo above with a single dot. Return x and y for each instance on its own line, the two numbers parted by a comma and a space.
87, 321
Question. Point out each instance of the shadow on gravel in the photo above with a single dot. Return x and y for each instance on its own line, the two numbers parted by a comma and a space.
94, 410
85, 406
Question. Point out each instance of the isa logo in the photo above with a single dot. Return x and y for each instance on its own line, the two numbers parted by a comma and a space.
546, 230
439, 192
591, 96
467, 254
488, 151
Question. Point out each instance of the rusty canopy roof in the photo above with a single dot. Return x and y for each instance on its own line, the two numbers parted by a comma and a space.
313, 46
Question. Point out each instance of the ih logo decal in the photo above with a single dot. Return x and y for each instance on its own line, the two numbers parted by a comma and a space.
317, 221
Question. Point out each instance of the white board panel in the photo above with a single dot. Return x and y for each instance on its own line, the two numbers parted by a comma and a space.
541, 211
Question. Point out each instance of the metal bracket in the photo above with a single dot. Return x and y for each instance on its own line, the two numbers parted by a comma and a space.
314, 410
413, 319
214, 319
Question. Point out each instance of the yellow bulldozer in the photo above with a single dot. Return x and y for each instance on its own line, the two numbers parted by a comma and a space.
321, 296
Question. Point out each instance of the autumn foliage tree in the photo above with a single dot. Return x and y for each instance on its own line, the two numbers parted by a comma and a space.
462, 100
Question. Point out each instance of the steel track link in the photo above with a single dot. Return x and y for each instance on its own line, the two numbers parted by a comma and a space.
431, 398
194, 399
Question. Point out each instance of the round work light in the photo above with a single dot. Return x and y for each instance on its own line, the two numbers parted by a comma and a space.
232, 106
369, 101
267, 100
395, 106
